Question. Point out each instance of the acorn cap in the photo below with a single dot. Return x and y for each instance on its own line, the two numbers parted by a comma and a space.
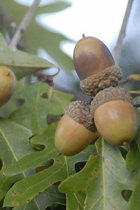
80, 112
109, 94
104, 79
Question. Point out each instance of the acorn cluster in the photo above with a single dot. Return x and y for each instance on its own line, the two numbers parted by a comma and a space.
109, 113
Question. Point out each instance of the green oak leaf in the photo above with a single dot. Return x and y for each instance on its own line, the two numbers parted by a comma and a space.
134, 202
33, 113
102, 179
44, 38
15, 134
53, 197
61, 168
14, 144
133, 156
25, 190
75, 200
21, 63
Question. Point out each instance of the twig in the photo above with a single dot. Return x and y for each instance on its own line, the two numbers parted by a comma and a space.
124, 81
47, 79
135, 77
44, 78
136, 103
23, 25
117, 48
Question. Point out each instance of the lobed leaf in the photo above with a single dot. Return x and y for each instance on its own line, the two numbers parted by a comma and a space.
37, 158
33, 185
33, 113
134, 202
20, 62
31, 205
43, 39
102, 179
53, 197
133, 156
40, 157
25, 190
6, 182
45, 107
14, 142
75, 201
62, 168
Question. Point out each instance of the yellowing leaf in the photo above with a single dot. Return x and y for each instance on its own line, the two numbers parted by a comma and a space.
134, 77
134, 92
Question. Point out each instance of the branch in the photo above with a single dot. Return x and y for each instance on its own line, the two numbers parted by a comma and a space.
135, 77
23, 25
124, 81
117, 48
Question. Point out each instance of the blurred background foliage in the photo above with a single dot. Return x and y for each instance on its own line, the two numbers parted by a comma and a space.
46, 42
36, 37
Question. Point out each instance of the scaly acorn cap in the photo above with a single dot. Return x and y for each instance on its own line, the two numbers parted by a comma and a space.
104, 79
109, 94
80, 112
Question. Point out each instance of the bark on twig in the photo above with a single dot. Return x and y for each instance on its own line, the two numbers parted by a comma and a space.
117, 48
124, 81
47, 79
136, 103
23, 25
44, 78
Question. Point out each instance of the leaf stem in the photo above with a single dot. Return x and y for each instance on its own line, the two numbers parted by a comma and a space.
126, 146
51, 92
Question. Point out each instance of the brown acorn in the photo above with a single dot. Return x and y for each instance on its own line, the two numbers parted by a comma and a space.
114, 115
76, 129
95, 66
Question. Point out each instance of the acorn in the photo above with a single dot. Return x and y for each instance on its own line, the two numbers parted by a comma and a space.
7, 84
95, 66
114, 115
76, 129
